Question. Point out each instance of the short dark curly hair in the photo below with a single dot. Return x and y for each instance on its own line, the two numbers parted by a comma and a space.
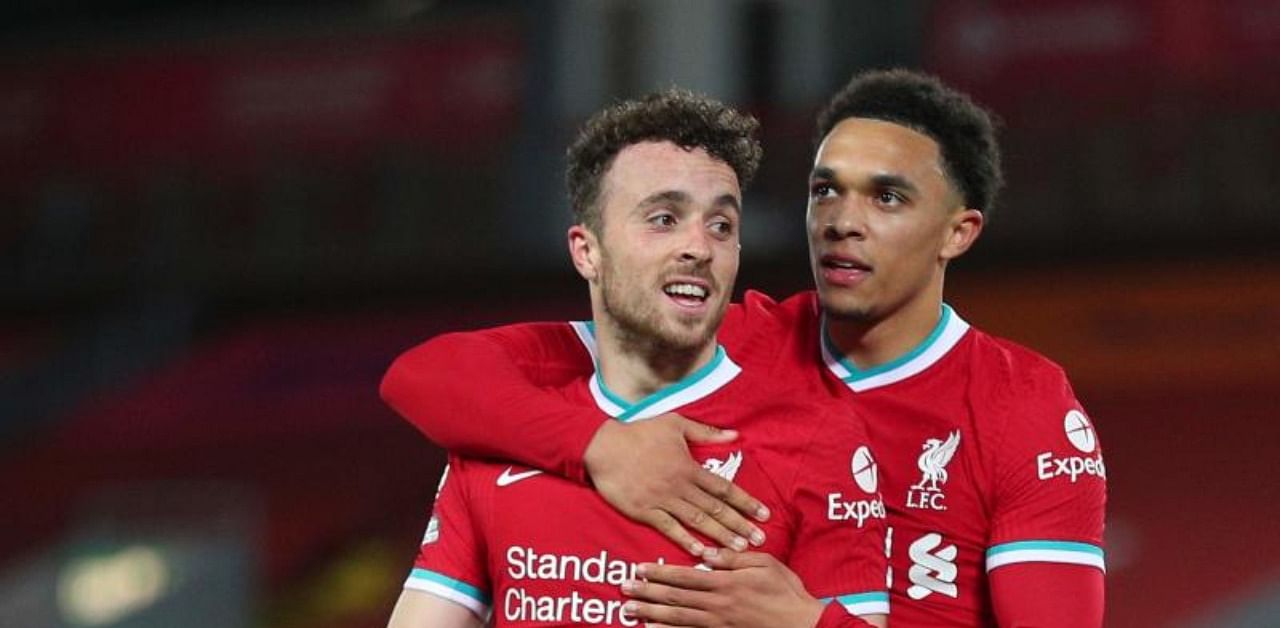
676, 115
964, 131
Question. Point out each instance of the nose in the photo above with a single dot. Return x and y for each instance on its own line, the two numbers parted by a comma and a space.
846, 221
696, 246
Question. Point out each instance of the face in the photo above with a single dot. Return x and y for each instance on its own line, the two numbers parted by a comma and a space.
883, 220
663, 265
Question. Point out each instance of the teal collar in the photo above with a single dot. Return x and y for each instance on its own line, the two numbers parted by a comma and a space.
949, 330
697, 385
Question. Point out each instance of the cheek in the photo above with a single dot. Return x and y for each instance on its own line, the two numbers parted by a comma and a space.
914, 246
812, 218
729, 261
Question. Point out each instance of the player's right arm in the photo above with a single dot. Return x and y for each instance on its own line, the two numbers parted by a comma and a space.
416, 609
486, 393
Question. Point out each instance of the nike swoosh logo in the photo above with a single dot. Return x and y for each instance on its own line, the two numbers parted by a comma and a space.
508, 478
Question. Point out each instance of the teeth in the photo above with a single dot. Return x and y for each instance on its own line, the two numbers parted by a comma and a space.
686, 289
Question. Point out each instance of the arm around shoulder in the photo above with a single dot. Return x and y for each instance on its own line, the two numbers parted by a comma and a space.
485, 393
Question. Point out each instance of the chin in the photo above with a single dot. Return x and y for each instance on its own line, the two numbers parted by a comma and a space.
683, 337
846, 309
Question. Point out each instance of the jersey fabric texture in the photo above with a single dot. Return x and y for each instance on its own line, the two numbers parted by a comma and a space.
987, 458
532, 549
988, 463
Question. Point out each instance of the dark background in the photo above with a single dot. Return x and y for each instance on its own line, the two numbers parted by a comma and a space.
220, 221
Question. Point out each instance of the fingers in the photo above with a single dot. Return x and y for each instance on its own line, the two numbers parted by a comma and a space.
721, 523
723, 559
690, 578
738, 500
664, 591
657, 615
696, 432
659, 604
670, 527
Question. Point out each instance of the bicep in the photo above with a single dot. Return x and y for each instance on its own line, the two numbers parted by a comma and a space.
1047, 595
416, 609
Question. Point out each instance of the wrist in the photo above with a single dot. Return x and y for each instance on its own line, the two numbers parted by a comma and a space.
597, 454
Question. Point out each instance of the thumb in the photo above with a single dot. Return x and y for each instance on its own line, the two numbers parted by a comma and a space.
720, 558
696, 432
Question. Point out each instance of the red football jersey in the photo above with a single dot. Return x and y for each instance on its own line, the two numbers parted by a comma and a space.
535, 549
987, 459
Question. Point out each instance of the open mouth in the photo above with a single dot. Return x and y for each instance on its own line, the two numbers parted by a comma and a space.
687, 294
844, 263
843, 271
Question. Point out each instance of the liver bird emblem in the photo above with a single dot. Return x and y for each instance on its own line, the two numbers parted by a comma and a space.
933, 461
726, 468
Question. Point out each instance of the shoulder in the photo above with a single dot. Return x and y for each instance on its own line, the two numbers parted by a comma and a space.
1027, 402
758, 305
775, 334
1007, 372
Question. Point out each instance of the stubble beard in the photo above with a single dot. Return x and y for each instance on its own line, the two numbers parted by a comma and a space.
857, 315
854, 313
643, 331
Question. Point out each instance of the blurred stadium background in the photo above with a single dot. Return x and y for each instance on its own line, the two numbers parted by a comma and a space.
221, 219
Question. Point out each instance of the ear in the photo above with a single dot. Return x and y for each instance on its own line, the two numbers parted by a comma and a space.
584, 250
962, 231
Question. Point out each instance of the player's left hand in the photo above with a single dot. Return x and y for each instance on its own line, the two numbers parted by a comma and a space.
744, 589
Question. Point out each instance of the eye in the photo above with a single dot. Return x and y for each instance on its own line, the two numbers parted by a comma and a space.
722, 227
890, 198
821, 190
662, 220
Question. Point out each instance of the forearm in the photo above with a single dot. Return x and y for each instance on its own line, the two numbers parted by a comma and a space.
469, 393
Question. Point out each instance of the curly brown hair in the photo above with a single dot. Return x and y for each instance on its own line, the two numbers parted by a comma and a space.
675, 115
964, 131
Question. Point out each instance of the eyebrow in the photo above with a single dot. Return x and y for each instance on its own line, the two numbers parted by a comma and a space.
879, 181
894, 181
822, 172
680, 198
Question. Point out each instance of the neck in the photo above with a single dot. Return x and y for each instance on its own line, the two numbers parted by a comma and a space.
635, 370
874, 341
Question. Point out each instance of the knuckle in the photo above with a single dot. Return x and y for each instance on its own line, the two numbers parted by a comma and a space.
720, 487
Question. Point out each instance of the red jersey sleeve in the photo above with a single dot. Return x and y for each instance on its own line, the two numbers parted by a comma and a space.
1047, 595
460, 389
1049, 489
835, 616
839, 534
451, 560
